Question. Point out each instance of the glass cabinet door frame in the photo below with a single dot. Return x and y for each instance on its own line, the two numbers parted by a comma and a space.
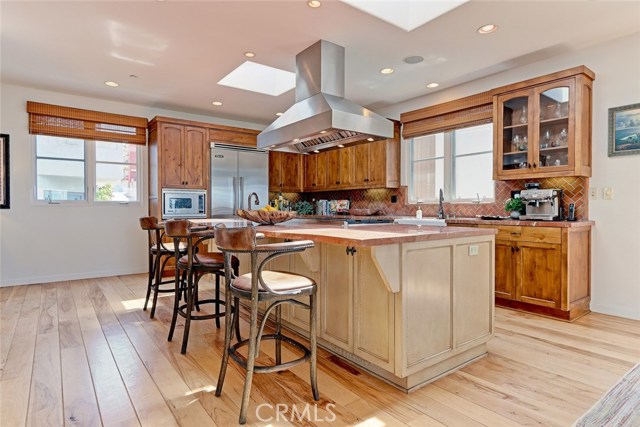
499, 133
570, 126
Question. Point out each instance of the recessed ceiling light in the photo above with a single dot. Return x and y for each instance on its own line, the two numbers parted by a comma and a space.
316, 151
279, 114
340, 146
216, 103
370, 139
249, 54
487, 29
296, 139
415, 59
323, 131
112, 84
387, 71
432, 85
314, 4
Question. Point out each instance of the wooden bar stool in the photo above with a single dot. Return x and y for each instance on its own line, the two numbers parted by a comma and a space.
159, 254
274, 286
189, 270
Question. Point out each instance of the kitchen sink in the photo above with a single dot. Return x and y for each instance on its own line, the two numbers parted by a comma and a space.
438, 222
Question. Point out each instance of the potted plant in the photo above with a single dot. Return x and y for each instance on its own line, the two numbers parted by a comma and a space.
514, 206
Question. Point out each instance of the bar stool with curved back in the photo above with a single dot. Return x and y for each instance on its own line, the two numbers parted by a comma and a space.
159, 254
263, 285
189, 270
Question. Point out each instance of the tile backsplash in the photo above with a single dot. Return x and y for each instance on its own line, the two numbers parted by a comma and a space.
575, 190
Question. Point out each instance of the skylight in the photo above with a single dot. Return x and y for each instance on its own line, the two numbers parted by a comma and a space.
260, 78
405, 14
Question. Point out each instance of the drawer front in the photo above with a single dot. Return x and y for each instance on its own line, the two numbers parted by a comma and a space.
527, 234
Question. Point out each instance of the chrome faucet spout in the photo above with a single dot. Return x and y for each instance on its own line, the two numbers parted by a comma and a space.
440, 207
249, 199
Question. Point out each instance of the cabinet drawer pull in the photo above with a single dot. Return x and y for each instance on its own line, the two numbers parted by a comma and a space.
516, 234
337, 182
366, 180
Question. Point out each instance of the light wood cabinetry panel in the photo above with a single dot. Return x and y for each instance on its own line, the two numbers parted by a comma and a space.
171, 137
542, 127
538, 268
285, 172
183, 156
472, 293
196, 150
340, 168
373, 313
427, 278
336, 297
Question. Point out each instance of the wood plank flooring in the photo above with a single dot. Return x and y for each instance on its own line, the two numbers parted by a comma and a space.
83, 353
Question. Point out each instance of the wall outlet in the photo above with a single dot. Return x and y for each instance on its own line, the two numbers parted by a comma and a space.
473, 250
394, 199
593, 193
607, 193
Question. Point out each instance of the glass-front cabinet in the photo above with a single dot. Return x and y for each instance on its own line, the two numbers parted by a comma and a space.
544, 130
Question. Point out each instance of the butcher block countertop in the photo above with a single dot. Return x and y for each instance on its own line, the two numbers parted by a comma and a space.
361, 235
523, 223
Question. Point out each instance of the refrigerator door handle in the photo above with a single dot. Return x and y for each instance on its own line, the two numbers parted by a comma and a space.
235, 194
242, 193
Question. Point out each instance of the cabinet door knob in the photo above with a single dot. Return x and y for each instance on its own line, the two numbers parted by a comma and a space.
534, 165
529, 164
512, 249
366, 180
517, 248
337, 182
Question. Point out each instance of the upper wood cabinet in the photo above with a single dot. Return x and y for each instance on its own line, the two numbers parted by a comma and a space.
339, 169
315, 171
542, 127
184, 156
285, 172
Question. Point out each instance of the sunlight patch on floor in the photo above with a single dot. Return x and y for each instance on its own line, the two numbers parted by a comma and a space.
371, 422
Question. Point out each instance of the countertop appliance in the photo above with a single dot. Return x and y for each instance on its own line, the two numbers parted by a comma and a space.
237, 172
542, 205
178, 203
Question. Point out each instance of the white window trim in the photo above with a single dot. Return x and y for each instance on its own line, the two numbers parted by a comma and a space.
449, 173
89, 177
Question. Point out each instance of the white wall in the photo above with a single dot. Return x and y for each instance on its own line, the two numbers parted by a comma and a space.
43, 243
616, 236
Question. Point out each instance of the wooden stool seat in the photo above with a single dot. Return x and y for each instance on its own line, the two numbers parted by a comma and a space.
276, 281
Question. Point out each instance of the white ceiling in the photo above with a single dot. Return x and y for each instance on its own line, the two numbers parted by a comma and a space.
179, 49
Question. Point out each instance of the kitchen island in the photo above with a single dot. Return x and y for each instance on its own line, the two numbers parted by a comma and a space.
407, 304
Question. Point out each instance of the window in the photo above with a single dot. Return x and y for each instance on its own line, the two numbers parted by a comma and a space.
70, 169
458, 161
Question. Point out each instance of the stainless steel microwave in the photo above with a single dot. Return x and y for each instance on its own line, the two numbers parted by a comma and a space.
184, 203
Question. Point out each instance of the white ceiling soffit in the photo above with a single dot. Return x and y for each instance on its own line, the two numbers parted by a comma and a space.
406, 14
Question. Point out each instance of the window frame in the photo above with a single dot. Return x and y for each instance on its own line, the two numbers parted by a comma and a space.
90, 178
449, 171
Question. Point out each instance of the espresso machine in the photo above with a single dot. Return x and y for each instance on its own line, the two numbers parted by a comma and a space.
542, 205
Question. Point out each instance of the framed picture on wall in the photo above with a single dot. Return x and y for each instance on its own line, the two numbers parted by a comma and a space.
624, 130
4, 171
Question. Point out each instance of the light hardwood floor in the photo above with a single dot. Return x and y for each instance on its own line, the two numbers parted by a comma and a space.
83, 353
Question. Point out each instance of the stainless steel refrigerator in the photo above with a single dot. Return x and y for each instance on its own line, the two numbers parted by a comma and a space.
236, 172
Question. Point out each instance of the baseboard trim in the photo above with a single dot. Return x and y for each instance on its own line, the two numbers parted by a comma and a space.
615, 311
71, 276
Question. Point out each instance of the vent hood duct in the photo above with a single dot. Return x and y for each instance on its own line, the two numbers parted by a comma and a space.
321, 117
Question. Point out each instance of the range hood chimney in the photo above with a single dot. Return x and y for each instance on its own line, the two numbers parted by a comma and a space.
321, 117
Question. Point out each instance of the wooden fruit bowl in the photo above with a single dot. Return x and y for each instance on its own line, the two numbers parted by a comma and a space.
266, 217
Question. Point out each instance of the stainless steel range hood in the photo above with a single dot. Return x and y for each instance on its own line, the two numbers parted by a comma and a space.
321, 117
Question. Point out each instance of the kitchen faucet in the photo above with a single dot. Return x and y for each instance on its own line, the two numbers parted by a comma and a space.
440, 207
249, 199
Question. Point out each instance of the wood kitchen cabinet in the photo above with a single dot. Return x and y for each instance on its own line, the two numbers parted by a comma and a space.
184, 155
376, 164
544, 270
542, 127
315, 172
285, 172
340, 168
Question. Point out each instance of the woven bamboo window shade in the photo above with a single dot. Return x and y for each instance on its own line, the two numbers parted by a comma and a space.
55, 120
470, 111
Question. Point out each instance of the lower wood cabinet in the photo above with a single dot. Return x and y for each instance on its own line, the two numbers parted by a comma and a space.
545, 270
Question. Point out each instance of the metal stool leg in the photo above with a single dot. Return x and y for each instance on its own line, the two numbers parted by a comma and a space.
313, 322
187, 322
176, 304
150, 281
159, 268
